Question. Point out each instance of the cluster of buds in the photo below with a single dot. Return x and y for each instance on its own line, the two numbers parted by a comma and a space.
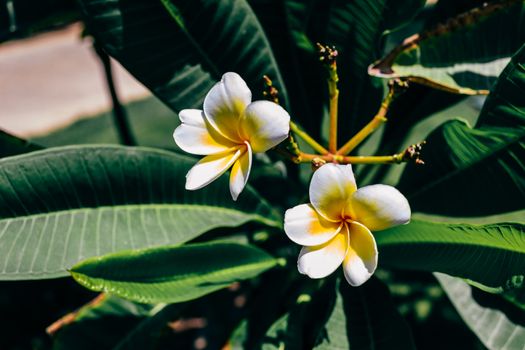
327, 54
270, 92
413, 153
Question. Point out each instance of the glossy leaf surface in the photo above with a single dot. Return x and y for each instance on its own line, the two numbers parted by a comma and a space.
172, 274
63, 205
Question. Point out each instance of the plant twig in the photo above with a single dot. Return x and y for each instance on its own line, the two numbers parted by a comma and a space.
411, 153
72, 316
119, 114
307, 138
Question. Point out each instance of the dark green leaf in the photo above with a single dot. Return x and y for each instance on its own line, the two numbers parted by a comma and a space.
267, 300
172, 274
179, 48
495, 324
356, 28
62, 205
491, 254
365, 318
415, 105
147, 332
288, 25
11, 145
299, 327
465, 55
482, 166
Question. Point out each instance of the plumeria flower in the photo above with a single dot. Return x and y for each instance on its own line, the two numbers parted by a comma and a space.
335, 228
228, 131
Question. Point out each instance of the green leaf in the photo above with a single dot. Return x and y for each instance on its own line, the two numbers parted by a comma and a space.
365, 318
288, 24
180, 48
491, 254
481, 166
465, 55
62, 205
11, 145
486, 315
172, 274
279, 336
334, 315
299, 327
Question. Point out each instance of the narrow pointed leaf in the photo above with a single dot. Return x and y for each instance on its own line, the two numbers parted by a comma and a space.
493, 254
172, 274
465, 55
62, 205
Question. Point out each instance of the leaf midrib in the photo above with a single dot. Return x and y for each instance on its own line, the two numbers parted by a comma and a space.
186, 279
253, 216
461, 239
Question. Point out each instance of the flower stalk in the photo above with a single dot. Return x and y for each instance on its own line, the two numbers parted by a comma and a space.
323, 156
328, 55
271, 93
307, 138
411, 153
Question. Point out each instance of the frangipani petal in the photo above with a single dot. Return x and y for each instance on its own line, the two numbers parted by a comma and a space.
210, 168
379, 207
240, 172
321, 261
196, 136
224, 105
330, 190
361, 259
265, 124
305, 226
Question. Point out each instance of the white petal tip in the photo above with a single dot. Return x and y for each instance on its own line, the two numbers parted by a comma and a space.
356, 282
235, 196
308, 273
190, 186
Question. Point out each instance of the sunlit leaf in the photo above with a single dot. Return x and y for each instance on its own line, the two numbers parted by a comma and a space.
491, 254
62, 205
172, 274
494, 322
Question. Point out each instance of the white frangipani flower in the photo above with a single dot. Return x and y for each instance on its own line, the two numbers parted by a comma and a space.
335, 228
229, 129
